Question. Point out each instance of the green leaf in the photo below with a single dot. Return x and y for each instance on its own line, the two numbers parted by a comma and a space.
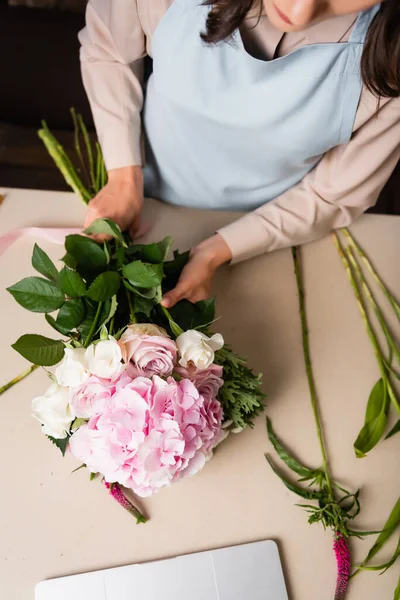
43, 264
304, 493
87, 253
106, 227
283, 454
394, 430
173, 270
153, 253
71, 315
390, 527
142, 274
104, 287
53, 323
72, 283
113, 310
78, 468
37, 294
92, 476
61, 444
40, 350
375, 420
384, 567
70, 261
142, 305
193, 316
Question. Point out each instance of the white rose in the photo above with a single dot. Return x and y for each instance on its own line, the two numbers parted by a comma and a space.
72, 371
53, 411
195, 347
104, 358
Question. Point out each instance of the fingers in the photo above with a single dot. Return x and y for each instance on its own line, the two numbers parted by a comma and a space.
185, 291
175, 295
135, 228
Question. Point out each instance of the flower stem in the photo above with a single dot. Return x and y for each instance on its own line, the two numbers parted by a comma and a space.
78, 146
310, 376
371, 300
372, 336
392, 300
131, 311
18, 378
65, 165
89, 151
94, 325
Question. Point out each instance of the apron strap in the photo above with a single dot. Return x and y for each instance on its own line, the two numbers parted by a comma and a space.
362, 25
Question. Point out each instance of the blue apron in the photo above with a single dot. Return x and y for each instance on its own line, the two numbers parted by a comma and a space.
225, 130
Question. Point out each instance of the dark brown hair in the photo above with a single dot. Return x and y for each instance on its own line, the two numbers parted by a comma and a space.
380, 65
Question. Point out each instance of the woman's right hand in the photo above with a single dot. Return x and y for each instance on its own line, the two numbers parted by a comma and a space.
121, 200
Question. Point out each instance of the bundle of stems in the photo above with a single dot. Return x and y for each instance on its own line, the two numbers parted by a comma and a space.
384, 394
86, 179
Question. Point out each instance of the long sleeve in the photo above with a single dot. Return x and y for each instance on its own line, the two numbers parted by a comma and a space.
112, 46
346, 182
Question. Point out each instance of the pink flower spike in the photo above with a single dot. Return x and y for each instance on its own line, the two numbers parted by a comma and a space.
119, 496
343, 565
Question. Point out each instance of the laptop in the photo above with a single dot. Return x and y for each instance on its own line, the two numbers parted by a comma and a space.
251, 571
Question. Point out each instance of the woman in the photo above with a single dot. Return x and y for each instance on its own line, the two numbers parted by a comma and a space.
295, 120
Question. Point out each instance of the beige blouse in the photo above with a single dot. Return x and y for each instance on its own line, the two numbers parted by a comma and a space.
345, 183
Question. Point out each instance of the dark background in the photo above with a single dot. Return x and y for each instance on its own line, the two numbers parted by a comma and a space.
40, 78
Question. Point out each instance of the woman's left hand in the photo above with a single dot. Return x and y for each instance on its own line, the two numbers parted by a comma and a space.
195, 281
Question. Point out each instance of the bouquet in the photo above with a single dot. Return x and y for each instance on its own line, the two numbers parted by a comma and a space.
139, 395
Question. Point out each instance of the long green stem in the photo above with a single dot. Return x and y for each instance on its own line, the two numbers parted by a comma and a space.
392, 300
310, 376
18, 378
62, 161
94, 325
131, 311
371, 300
78, 146
372, 336
88, 150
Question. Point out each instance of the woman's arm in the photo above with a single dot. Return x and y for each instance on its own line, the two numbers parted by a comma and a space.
346, 182
113, 45
112, 48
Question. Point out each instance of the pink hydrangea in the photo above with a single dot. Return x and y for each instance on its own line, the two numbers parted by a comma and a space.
148, 355
90, 399
151, 433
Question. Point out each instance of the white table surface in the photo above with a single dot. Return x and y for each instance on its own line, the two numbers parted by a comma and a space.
55, 523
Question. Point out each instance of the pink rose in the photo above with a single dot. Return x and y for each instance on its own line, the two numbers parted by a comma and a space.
207, 381
90, 399
148, 355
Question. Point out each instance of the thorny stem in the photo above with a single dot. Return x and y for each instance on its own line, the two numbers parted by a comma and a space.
310, 376
18, 378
